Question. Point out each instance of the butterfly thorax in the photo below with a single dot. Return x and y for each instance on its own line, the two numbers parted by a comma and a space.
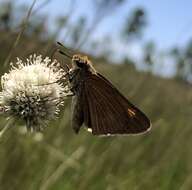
82, 62
81, 68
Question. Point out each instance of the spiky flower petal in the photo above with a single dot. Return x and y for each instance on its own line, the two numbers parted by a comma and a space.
32, 91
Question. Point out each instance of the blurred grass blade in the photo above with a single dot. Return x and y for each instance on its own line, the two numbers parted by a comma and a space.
60, 170
25, 22
6, 127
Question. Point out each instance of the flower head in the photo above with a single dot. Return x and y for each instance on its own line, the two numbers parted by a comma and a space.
32, 91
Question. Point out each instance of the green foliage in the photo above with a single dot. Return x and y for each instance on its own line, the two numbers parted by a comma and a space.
129, 62
135, 24
6, 12
103, 7
183, 59
149, 51
180, 63
77, 31
188, 55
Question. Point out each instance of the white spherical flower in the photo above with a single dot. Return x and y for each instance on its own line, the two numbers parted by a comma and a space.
32, 91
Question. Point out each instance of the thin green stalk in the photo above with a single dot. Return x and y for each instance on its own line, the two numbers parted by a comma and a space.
25, 22
6, 127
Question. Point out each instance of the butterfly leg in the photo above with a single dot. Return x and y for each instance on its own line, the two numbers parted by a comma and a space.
70, 95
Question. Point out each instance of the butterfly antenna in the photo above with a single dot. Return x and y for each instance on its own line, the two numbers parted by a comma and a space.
60, 44
67, 53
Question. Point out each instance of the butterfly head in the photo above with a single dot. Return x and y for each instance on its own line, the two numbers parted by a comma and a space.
80, 61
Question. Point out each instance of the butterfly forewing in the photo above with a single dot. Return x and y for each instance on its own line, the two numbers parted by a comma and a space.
107, 111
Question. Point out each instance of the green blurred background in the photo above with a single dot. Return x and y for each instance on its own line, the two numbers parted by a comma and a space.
154, 73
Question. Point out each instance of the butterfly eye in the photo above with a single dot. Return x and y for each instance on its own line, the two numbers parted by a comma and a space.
80, 64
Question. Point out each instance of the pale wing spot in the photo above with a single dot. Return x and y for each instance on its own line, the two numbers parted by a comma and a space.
131, 112
89, 130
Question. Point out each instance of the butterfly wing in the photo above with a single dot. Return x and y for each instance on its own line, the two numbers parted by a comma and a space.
106, 111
